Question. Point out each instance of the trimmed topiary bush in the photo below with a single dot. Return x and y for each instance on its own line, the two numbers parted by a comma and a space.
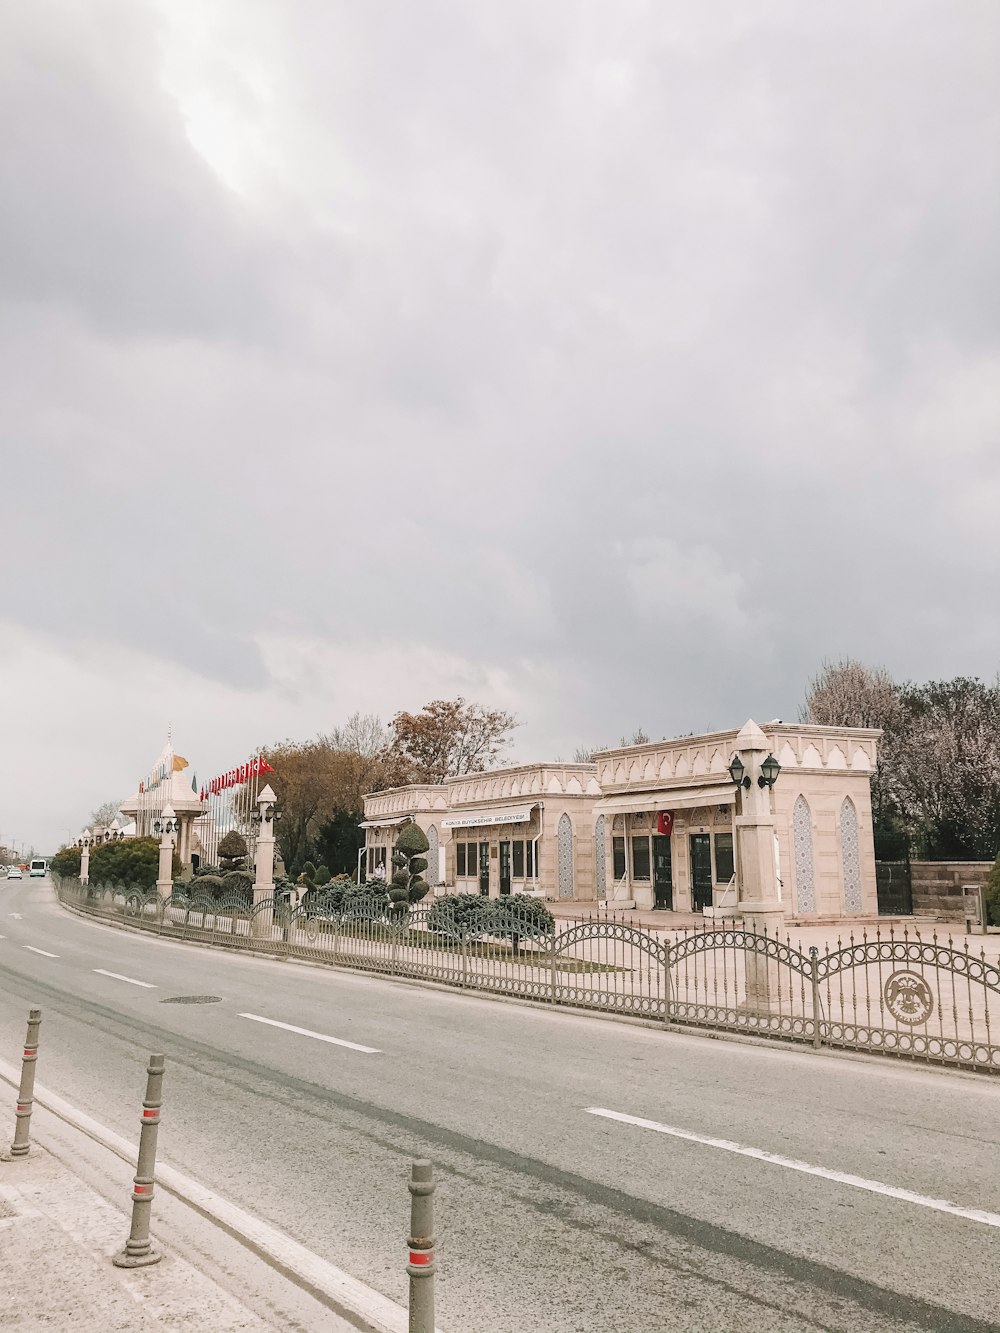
408, 884
232, 850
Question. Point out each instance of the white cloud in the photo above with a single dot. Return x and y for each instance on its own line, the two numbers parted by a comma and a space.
358, 355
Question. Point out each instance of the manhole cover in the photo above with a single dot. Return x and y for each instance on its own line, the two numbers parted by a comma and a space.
192, 999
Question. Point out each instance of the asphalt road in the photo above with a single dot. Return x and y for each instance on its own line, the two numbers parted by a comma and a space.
551, 1219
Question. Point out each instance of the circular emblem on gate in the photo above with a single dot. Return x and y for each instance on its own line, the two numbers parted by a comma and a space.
908, 998
312, 929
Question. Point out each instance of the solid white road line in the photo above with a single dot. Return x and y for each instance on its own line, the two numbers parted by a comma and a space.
45, 952
790, 1163
342, 1291
118, 977
320, 1036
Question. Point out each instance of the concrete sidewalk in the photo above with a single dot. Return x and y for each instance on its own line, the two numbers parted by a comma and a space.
57, 1237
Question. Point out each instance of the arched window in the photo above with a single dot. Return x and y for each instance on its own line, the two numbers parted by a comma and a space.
802, 846
850, 855
600, 864
564, 856
433, 873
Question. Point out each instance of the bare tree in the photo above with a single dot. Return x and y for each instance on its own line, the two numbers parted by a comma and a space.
850, 694
584, 754
362, 734
449, 737
105, 814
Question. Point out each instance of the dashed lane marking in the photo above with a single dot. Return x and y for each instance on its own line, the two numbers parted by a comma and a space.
117, 976
319, 1036
44, 952
806, 1168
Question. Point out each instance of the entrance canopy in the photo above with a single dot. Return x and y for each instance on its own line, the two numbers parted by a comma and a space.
682, 798
511, 814
385, 823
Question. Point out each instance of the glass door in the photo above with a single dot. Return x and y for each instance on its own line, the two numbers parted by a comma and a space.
701, 870
484, 869
663, 878
504, 868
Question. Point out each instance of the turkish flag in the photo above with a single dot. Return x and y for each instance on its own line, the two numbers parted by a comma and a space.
665, 823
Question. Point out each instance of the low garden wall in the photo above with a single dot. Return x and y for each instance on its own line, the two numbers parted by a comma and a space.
937, 886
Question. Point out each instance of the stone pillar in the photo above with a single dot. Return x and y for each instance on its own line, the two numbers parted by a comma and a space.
263, 884
757, 876
85, 857
165, 875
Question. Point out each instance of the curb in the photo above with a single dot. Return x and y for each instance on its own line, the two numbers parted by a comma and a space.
363, 1306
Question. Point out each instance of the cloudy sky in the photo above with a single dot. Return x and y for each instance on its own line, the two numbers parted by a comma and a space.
613, 363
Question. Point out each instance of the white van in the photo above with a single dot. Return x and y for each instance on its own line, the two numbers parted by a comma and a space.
37, 869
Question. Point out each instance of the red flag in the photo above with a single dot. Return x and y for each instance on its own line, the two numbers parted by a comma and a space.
265, 767
665, 823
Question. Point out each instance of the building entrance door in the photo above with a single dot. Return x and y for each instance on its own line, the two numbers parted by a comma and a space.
663, 879
701, 870
504, 868
484, 869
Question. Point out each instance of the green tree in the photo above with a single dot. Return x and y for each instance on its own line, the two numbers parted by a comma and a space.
322, 876
66, 863
993, 894
339, 840
134, 863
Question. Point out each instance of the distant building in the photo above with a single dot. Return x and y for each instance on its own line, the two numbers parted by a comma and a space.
650, 826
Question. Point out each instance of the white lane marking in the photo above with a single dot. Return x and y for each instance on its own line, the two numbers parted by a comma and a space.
45, 952
118, 977
16, 915
342, 1292
791, 1164
320, 1036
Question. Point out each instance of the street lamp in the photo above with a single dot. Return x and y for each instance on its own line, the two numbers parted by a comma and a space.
768, 776
769, 771
266, 813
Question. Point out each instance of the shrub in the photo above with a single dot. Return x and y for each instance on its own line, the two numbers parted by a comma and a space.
461, 912
521, 909
322, 876
206, 886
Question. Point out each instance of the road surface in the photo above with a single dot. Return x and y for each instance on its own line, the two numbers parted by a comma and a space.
302, 1093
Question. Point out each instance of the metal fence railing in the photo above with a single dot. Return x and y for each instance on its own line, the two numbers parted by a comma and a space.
891, 992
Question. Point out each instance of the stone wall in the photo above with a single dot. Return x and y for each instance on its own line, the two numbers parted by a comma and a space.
937, 886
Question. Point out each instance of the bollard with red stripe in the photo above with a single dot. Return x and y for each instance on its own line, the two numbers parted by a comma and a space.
421, 1267
25, 1097
138, 1251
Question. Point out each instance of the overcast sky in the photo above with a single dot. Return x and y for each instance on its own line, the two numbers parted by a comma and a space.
613, 363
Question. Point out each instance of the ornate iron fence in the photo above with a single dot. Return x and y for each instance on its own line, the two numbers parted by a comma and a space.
890, 992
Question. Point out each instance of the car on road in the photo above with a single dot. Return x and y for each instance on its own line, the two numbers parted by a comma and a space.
14, 873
